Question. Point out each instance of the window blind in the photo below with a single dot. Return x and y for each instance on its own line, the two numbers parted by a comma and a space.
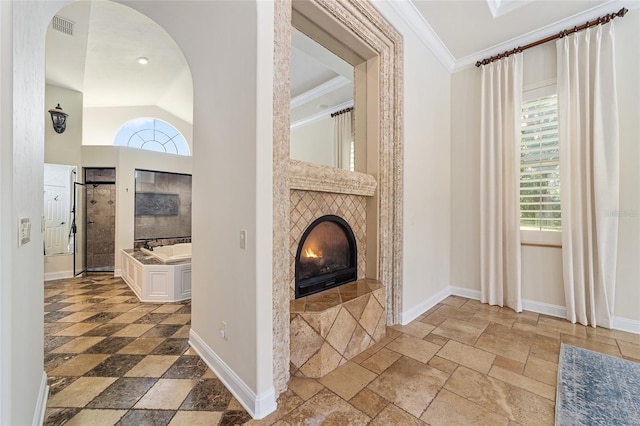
540, 166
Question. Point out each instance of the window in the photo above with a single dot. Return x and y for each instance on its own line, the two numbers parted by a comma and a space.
153, 135
540, 165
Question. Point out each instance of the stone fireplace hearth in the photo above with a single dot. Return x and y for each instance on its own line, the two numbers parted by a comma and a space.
332, 326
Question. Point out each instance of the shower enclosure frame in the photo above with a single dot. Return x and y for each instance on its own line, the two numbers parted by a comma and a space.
76, 221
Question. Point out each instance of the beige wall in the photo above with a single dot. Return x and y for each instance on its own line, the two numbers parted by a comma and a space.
62, 148
232, 175
628, 70
96, 128
542, 266
126, 160
426, 172
101, 124
22, 123
314, 143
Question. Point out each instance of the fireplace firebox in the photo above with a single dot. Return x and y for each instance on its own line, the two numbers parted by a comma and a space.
326, 256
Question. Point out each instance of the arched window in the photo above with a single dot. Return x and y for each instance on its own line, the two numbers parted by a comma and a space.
153, 135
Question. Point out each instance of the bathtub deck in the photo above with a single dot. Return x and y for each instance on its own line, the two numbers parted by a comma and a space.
154, 281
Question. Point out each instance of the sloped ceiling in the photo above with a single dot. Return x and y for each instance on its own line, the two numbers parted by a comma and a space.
100, 58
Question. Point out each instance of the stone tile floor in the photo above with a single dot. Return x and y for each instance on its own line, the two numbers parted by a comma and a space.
113, 360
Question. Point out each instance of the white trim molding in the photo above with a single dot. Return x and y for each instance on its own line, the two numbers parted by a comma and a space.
408, 12
258, 406
621, 324
545, 308
424, 306
320, 90
628, 325
322, 115
546, 31
50, 276
41, 403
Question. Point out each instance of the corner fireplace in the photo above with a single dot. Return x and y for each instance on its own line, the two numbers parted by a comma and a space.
326, 256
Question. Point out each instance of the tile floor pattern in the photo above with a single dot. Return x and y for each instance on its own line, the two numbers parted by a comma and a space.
113, 360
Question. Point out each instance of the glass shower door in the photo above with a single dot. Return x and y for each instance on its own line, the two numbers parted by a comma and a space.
100, 205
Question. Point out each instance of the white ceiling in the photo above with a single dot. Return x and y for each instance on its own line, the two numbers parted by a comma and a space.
321, 82
461, 32
100, 58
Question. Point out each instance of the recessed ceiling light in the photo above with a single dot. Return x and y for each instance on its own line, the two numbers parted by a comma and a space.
142, 60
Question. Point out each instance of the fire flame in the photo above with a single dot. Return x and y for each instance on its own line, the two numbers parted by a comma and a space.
310, 253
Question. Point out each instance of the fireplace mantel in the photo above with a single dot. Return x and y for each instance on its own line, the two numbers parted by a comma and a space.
363, 29
315, 177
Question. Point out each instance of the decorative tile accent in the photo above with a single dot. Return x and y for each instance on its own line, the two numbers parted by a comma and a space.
322, 340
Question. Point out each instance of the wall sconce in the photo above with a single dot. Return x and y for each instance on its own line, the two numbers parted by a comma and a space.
59, 118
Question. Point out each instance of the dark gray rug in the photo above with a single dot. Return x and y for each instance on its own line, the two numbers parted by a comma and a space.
596, 389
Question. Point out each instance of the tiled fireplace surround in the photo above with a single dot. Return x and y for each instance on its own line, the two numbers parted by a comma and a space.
331, 327
362, 28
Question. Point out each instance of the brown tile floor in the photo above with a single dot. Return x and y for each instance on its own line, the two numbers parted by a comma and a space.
111, 359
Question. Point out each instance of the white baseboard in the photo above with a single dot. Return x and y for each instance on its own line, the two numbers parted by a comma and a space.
527, 305
424, 306
544, 308
465, 292
622, 324
50, 276
258, 406
117, 273
41, 403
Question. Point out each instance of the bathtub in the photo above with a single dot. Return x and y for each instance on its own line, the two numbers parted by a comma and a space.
158, 276
169, 254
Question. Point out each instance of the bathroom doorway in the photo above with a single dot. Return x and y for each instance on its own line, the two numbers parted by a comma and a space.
100, 226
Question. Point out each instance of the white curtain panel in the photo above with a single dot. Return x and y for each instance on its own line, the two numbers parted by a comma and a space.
343, 138
589, 173
500, 183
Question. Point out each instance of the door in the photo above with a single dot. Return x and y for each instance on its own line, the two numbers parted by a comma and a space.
78, 228
56, 219
57, 208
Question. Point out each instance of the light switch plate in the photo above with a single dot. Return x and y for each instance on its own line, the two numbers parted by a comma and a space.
243, 240
24, 231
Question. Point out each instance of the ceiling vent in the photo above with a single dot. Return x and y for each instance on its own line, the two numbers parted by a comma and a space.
63, 25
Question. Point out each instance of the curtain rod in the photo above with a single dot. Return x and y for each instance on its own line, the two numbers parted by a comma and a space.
342, 111
601, 20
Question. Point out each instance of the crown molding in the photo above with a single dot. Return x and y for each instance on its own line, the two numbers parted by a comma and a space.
320, 90
556, 27
408, 12
321, 115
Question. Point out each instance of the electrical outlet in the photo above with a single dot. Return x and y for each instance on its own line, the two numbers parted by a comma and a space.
223, 330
